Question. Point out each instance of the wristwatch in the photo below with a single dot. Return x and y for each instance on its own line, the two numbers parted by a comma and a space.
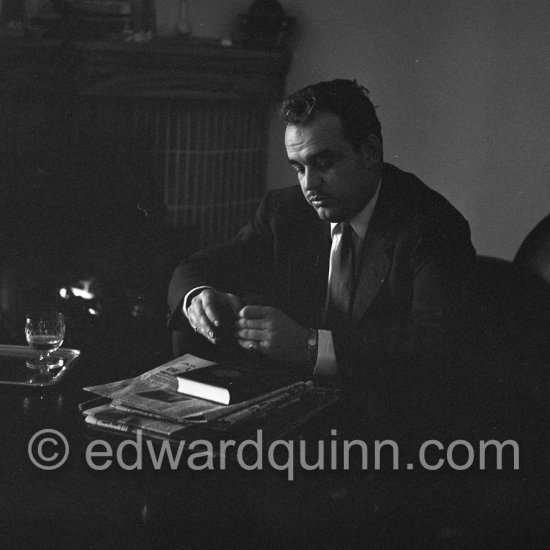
312, 346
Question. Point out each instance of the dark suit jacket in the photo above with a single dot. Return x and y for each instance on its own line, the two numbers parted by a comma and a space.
411, 302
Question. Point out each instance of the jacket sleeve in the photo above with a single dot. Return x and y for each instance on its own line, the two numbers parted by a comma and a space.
221, 266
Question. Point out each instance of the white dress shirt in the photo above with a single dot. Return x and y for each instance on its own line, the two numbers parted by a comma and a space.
326, 357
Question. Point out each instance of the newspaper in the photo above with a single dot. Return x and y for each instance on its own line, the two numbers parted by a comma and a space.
154, 394
275, 417
128, 421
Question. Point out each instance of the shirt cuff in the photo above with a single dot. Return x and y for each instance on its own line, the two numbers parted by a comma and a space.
189, 295
326, 357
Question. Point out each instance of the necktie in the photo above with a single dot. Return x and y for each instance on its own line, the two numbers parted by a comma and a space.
342, 279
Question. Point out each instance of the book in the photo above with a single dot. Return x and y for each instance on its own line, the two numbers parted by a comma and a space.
154, 394
155, 391
229, 383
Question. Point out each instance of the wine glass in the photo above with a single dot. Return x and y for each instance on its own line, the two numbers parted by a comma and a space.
45, 331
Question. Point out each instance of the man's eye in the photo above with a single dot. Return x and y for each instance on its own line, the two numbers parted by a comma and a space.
299, 169
325, 163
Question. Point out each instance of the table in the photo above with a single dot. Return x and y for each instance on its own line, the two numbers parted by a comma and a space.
77, 507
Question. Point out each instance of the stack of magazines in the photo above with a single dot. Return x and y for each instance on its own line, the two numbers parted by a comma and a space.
154, 404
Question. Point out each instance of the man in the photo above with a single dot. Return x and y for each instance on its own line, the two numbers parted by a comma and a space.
377, 306
392, 325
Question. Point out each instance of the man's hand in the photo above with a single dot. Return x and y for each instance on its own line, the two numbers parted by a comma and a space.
271, 332
212, 313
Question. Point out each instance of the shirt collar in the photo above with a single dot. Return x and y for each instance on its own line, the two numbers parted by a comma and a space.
360, 222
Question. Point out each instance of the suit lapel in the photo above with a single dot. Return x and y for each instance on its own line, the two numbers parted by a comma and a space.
376, 248
373, 268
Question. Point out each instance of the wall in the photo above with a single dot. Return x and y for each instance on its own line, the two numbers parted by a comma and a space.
209, 18
462, 89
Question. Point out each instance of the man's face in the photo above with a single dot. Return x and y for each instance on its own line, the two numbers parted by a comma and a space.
337, 179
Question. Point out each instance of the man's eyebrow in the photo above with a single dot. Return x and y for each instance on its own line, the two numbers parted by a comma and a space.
314, 156
329, 153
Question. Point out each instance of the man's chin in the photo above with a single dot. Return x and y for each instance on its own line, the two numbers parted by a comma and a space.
329, 214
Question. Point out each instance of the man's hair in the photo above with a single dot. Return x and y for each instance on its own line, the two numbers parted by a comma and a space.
344, 98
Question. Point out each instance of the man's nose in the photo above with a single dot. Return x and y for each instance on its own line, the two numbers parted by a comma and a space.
311, 179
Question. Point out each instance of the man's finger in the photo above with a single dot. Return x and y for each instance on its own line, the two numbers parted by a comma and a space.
202, 323
213, 309
194, 314
249, 334
252, 345
255, 312
253, 323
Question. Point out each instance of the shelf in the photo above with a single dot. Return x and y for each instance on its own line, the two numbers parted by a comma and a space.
163, 67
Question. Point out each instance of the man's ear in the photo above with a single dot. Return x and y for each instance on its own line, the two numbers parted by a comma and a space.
372, 150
